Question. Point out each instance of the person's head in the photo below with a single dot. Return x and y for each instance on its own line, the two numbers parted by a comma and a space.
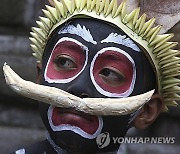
86, 58
101, 55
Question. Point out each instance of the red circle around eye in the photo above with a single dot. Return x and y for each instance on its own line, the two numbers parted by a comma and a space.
117, 60
73, 50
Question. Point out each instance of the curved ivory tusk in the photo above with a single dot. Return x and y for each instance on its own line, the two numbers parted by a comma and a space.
60, 98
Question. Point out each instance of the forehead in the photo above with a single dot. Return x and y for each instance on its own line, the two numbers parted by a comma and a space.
98, 29
94, 34
92, 31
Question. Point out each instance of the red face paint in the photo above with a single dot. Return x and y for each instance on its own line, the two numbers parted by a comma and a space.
113, 72
88, 123
67, 59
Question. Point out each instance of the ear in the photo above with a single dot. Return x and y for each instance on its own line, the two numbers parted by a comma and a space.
39, 72
149, 112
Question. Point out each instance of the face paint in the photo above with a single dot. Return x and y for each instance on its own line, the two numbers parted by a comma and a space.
113, 72
21, 151
57, 117
121, 39
68, 59
80, 31
113, 67
89, 127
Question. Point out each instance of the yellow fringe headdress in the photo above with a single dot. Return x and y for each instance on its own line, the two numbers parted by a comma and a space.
164, 59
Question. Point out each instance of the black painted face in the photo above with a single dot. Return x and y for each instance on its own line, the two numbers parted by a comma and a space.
90, 58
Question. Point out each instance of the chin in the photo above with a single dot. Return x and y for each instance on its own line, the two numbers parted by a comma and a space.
69, 129
72, 142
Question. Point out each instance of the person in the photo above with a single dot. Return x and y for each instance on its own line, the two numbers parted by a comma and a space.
108, 62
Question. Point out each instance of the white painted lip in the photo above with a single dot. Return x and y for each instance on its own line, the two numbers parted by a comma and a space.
75, 129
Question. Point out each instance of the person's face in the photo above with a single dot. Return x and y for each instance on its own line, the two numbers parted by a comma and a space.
90, 58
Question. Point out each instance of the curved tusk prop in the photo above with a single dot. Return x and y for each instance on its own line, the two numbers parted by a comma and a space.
60, 98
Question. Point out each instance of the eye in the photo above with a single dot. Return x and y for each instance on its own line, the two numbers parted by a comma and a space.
64, 62
112, 76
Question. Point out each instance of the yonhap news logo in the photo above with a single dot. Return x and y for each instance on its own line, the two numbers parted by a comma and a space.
104, 139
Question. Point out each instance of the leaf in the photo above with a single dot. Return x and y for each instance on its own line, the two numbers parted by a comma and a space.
131, 4
51, 2
176, 31
166, 12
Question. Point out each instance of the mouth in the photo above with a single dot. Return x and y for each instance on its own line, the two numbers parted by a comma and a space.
81, 123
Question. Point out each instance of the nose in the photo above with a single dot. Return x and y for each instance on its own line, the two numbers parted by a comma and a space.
82, 85
79, 90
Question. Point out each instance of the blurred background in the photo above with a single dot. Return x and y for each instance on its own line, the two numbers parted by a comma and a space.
20, 122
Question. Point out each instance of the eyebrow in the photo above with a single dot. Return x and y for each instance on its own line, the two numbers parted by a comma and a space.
122, 40
83, 32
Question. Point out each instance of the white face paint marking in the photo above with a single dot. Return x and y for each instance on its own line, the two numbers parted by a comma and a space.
121, 39
106, 93
72, 78
80, 31
75, 129
21, 151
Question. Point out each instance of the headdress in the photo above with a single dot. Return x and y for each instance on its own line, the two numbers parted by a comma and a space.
163, 58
